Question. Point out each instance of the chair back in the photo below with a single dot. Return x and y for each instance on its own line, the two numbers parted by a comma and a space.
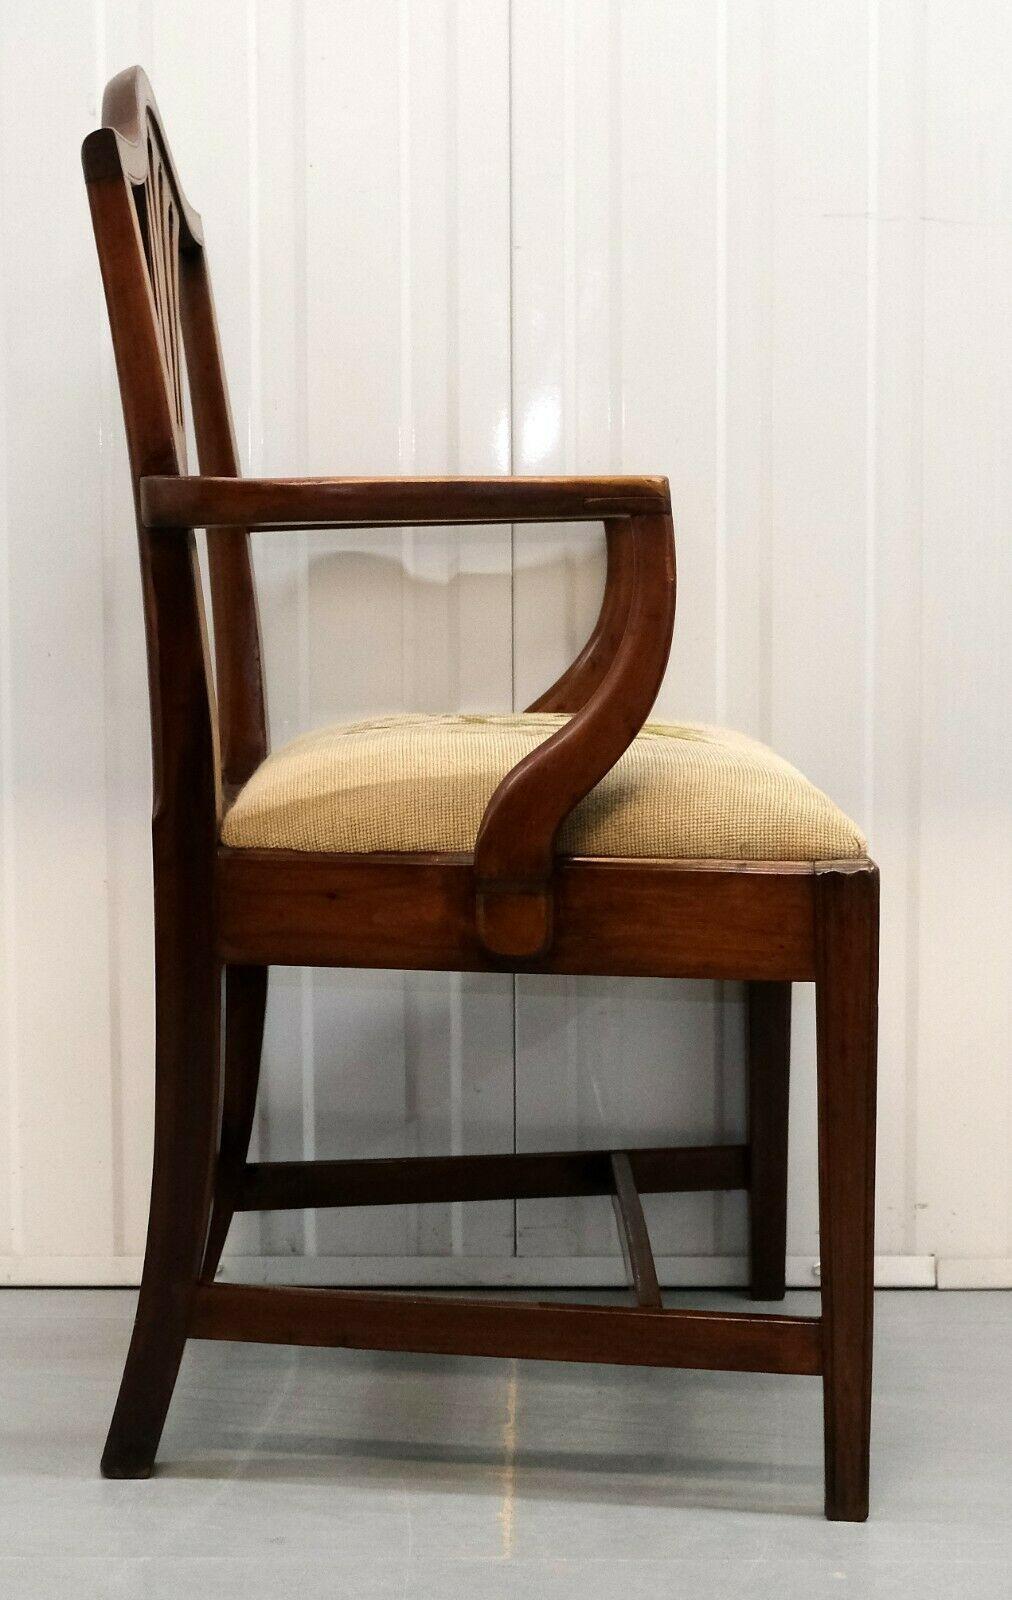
165, 335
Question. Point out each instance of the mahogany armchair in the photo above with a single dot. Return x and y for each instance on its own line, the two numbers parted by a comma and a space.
518, 890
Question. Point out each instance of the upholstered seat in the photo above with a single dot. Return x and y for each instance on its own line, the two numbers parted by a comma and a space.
420, 783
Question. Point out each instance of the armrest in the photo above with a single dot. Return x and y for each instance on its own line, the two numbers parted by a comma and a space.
611, 686
209, 502
514, 853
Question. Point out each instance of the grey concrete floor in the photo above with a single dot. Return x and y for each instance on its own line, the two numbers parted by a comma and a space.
332, 1473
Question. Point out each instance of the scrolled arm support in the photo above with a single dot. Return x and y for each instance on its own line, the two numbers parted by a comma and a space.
582, 677
515, 850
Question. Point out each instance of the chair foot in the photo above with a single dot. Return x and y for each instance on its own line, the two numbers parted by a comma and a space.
769, 1055
847, 1508
187, 1078
118, 1466
846, 1012
149, 1377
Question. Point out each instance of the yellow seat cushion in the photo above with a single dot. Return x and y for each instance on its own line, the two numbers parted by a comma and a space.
421, 782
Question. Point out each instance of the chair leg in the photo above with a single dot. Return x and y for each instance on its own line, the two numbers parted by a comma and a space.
846, 1009
769, 1059
245, 1008
187, 1082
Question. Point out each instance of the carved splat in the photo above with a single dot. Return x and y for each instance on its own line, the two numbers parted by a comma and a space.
158, 217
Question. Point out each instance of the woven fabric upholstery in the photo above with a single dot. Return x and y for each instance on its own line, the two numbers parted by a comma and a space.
417, 783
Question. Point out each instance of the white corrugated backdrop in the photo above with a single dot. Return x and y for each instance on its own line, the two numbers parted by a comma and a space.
762, 246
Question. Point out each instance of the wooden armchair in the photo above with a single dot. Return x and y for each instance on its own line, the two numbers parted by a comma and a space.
244, 878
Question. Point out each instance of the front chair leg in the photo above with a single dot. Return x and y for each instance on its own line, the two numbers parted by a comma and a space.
769, 1060
187, 1078
846, 1011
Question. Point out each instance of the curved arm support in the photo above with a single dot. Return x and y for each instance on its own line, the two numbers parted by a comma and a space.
515, 849
581, 678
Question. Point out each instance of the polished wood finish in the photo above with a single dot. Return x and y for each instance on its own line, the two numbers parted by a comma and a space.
444, 1325
277, 503
245, 1010
187, 1006
769, 1060
129, 111
846, 1003
141, 223
574, 688
514, 853
632, 1232
554, 1174
238, 653
514, 904
620, 918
